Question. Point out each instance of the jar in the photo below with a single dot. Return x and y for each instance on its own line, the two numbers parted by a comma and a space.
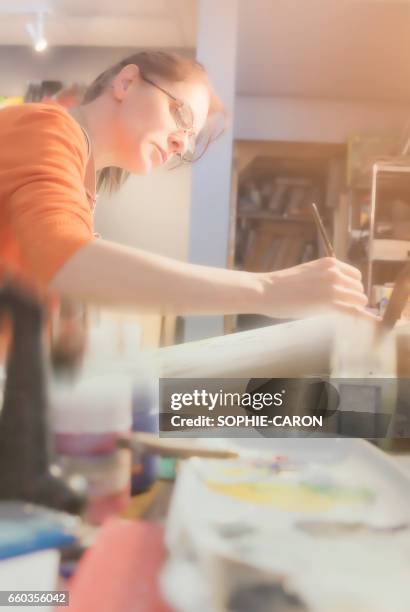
90, 415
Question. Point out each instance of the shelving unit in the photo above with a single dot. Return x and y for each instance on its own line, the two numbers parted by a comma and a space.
294, 167
390, 182
373, 211
279, 231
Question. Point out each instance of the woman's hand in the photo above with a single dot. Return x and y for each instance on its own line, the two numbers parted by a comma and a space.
317, 286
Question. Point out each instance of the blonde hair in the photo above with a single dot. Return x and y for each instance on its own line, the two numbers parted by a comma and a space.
171, 66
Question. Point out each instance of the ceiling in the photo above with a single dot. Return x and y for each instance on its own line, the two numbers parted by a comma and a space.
115, 23
328, 49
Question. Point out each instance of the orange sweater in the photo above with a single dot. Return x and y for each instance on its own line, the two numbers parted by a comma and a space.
45, 215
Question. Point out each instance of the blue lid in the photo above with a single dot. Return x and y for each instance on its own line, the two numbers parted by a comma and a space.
26, 528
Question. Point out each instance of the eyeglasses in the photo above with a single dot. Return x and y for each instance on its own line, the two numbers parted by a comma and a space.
184, 120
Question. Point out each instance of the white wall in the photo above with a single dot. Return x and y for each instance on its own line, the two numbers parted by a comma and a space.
150, 212
308, 120
18, 65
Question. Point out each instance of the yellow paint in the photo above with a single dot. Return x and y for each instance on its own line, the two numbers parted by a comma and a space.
298, 497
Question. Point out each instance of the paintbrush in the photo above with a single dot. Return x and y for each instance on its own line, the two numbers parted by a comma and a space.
321, 229
150, 443
181, 449
398, 299
325, 239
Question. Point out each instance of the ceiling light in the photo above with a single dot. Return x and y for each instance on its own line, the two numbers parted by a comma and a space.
40, 45
37, 33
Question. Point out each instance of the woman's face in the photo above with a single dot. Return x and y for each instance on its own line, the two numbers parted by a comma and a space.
144, 133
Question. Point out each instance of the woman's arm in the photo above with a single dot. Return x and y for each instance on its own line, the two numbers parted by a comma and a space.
51, 220
105, 272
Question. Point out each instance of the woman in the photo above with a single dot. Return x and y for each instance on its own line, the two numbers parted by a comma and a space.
136, 116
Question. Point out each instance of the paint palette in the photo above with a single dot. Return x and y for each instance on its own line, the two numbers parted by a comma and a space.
294, 497
274, 485
333, 527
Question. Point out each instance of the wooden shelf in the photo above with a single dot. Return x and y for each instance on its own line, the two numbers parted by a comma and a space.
276, 218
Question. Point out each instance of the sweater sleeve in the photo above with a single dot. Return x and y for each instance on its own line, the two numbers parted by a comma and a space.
47, 202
